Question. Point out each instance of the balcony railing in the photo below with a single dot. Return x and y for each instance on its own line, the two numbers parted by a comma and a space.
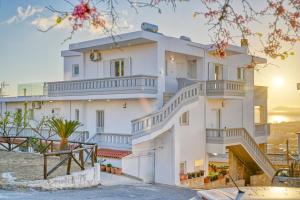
116, 85
78, 136
225, 88
154, 120
262, 130
233, 136
112, 140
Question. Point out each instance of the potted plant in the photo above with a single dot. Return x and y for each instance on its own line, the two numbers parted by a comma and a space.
118, 171
108, 168
103, 168
206, 179
182, 176
201, 172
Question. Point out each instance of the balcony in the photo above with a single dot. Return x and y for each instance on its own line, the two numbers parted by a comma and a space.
262, 130
112, 140
117, 85
225, 88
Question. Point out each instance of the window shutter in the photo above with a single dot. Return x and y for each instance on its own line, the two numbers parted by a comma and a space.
106, 68
225, 72
211, 71
127, 67
112, 69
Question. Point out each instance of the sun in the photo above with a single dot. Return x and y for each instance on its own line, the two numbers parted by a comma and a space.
278, 82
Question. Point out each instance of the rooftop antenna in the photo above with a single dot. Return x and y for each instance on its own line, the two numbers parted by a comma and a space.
240, 192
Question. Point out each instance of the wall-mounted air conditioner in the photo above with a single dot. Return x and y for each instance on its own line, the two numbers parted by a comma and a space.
95, 56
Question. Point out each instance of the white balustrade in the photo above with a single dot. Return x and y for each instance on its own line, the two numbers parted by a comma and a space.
77, 136
151, 121
240, 135
262, 130
225, 88
116, 85
112, 140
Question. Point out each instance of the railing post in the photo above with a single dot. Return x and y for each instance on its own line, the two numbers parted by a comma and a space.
69, 165
81, 159
95, 154
45, 166
51, 146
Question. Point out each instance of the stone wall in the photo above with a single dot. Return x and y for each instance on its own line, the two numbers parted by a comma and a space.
260, 180
82, 179
237, 169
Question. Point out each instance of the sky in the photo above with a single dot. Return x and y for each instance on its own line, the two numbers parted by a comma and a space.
28, 55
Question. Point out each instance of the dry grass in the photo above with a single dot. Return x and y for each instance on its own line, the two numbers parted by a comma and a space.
28, 166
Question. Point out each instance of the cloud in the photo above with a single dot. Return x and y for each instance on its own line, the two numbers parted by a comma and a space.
23, 13
44, 23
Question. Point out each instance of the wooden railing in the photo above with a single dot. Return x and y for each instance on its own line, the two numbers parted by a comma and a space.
115, 85
69, 155
112, 140
10, 143
225, 88
241, 136
152, 121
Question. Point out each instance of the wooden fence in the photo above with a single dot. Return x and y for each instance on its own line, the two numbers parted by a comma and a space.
79, 152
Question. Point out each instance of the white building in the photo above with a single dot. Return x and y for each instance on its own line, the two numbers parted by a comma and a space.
168, 100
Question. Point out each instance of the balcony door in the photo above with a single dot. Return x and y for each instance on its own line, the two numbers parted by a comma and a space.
217, 71
120, 67
99, 121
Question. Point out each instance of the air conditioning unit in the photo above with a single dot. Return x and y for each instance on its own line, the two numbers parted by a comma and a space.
36, 105
95, 56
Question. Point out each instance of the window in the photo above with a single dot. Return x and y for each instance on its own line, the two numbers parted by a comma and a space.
100, 120
218, 72
19, 111
240, 73
184, 119
198, 165
55, 112
75, 69
77, 115
182, 167
118, 67
31, 114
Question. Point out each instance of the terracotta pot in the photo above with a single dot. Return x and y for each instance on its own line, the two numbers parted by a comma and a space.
103, 168
220, 177
118, 171
182, 177
206, 180
108, 169
113, 170
185, 177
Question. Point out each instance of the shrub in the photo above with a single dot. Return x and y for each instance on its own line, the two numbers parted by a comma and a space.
109, 165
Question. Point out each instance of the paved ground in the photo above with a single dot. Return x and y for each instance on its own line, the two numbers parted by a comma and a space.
116, 192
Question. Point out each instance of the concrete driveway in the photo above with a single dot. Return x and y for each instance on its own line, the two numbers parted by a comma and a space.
115, 192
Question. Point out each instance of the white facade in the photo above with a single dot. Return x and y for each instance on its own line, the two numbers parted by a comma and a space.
139, 76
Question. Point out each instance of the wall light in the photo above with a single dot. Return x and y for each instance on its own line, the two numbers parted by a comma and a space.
172, 58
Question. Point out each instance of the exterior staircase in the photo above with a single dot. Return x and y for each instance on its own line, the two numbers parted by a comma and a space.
239, 136
150, 126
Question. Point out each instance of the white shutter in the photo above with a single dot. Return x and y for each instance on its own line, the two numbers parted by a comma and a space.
106, 68
112, 69
211, 71
127, 67
225, 72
